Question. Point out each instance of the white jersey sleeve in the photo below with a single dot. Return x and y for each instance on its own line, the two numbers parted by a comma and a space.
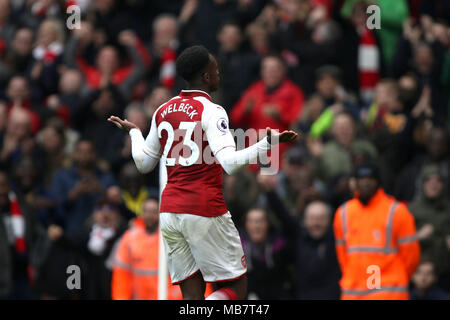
146, 153
215, 123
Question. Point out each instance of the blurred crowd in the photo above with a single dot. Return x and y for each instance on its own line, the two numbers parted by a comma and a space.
69, 189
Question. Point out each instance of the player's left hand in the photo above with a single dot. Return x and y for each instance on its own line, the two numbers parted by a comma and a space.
122, 124
286, 136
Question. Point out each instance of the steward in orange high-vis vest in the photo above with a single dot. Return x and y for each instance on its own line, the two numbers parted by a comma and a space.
376, 242
135, 264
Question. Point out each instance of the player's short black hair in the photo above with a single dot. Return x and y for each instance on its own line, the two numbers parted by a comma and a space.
192, 61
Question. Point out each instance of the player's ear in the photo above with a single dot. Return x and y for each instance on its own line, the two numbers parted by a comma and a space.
206, 77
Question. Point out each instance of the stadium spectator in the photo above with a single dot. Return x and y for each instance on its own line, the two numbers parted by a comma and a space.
17, 59
297, 185
393, 14
78, 187
239, 65
361, 57
104, 228
133, 191
135, 261
19, 97
313, 108
335, 98
65, 103
266, 254
437, 152
274, 101
316, 270
430, 210
90, 117
258, 37
156, 98
424, 283
92, 244
118, 148
52, 140
7, 26
241, 193
335, 156
387, 240
18, 238
164, 49
29, 186
47, 55
306, 38
18, 141
107, 69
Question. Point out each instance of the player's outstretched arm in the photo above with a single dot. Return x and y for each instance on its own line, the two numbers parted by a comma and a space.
232, 161
146, 153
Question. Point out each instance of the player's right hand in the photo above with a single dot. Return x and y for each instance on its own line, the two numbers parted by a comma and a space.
122, 124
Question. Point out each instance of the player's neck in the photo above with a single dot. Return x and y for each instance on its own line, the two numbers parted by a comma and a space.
196, 86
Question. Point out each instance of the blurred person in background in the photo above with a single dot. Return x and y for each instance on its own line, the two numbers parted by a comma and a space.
267, 256
155, 98
421, 50
133, 190
274, 101
28, 185
107, 68
203, 19
135, 260
240, 192
374, 229
19, 97
65, 102
89, 248
424, 283
316, 270
335, 97
335, 156
19, 234
306, 37
18, 140
78, 187
408, 184
52, 140
314, 106
258, 38
239, 66
164, 48
361, 57
47, 56
117, 148
17, 59
431, 210
392, 128
392, 16
296, 184
7, 27
94, 109
33, 13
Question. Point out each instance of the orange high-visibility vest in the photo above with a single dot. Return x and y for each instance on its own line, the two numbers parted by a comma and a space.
377, 248
135, 267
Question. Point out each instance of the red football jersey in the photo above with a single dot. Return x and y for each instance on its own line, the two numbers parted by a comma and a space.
184, 125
